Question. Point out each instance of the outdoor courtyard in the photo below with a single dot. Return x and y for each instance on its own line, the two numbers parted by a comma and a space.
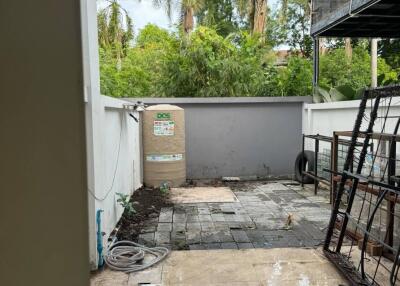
242, 233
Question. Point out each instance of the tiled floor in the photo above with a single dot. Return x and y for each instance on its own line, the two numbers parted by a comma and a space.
243, 241
257, 219
258, 267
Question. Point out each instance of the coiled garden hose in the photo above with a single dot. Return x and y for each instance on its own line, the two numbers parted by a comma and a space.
128, 256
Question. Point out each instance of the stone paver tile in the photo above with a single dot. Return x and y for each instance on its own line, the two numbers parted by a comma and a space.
256, 235
146, 239
197, 247
179, 217
203, 211
225, 236
162, 237
166, 215
207, 226
245, 245
235, 225
221, 226
193, 226
214, 245
209, 237
240, 236
229, 245
179, 226
205, 218
164, 226
218, 217
193, 237
192, 218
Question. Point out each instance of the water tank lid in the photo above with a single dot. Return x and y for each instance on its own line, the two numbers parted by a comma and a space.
164, 107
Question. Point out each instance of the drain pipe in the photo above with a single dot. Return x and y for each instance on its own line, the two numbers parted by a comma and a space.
99, 239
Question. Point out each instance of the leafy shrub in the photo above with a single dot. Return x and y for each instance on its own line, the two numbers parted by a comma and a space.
124, 201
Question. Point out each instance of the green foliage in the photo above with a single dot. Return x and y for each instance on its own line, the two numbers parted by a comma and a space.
206, 63
124, 201
340, 93
114, 29
214, 66
389, 50
164, 188
336, 70
219, 14
296, 78
291, 25
141, 72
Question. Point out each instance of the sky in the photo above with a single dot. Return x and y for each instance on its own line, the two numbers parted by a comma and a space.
143, 12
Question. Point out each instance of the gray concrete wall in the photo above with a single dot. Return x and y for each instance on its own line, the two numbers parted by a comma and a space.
240, 136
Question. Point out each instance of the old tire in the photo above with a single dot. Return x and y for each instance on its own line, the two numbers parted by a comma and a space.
304, 162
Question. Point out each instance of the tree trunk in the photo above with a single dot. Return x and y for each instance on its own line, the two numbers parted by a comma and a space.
188, 21
348, 49
251, 14
374, 62
260, 15
322, 47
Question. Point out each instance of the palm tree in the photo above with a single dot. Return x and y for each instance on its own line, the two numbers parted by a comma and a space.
260, 16
114, 29
188, 9
348, 49
255, 11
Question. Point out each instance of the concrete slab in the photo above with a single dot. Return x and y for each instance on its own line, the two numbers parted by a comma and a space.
202, 195
261, 267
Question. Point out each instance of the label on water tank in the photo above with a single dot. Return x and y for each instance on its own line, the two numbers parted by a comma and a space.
164, 127
164, 158
163, 115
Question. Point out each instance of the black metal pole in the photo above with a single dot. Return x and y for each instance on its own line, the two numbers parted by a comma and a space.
354, 186
349, 158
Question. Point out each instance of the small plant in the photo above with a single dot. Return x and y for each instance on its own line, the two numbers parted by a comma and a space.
124, 201
164, 188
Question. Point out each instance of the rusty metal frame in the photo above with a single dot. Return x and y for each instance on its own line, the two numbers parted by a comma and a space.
350, 182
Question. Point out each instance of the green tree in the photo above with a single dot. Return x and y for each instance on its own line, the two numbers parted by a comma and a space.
256, 12
291, 26
114, 29
219, 14
336, 70
296, 78
214, 66
141, 71
389, 49
188, 9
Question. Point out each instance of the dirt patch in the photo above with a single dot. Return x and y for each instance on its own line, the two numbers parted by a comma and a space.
147, 203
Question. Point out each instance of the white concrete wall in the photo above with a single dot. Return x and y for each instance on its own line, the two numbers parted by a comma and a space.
324, 118
118, 165
108, 129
